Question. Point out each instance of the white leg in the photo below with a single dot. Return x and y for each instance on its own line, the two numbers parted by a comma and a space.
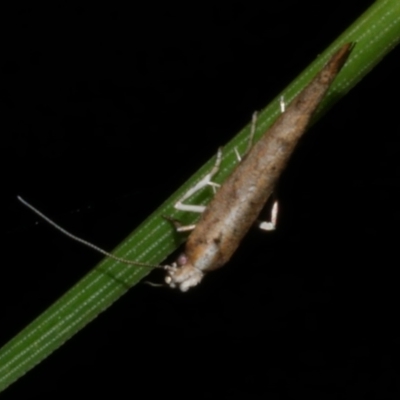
270, 225
252, 130
185, 228
206, 181
282, 104
251, 137
239, 158
178, 226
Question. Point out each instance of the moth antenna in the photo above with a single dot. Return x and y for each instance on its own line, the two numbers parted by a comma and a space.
80, 240
152, 284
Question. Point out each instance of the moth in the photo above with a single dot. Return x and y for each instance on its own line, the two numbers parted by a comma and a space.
239, 200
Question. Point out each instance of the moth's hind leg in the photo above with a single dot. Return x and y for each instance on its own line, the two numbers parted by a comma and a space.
251, 137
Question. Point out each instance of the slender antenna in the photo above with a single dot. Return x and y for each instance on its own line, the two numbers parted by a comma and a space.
85, 242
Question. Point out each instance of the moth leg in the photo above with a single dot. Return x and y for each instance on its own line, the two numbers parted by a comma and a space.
251, 137
206, 181
252, 131
178, 224
270, 225
282, 104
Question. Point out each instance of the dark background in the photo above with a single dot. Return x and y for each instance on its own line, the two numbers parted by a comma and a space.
107, 110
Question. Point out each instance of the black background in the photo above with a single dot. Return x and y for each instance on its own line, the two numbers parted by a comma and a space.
108, 110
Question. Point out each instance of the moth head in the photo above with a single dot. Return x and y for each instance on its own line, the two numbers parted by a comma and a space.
182, 274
